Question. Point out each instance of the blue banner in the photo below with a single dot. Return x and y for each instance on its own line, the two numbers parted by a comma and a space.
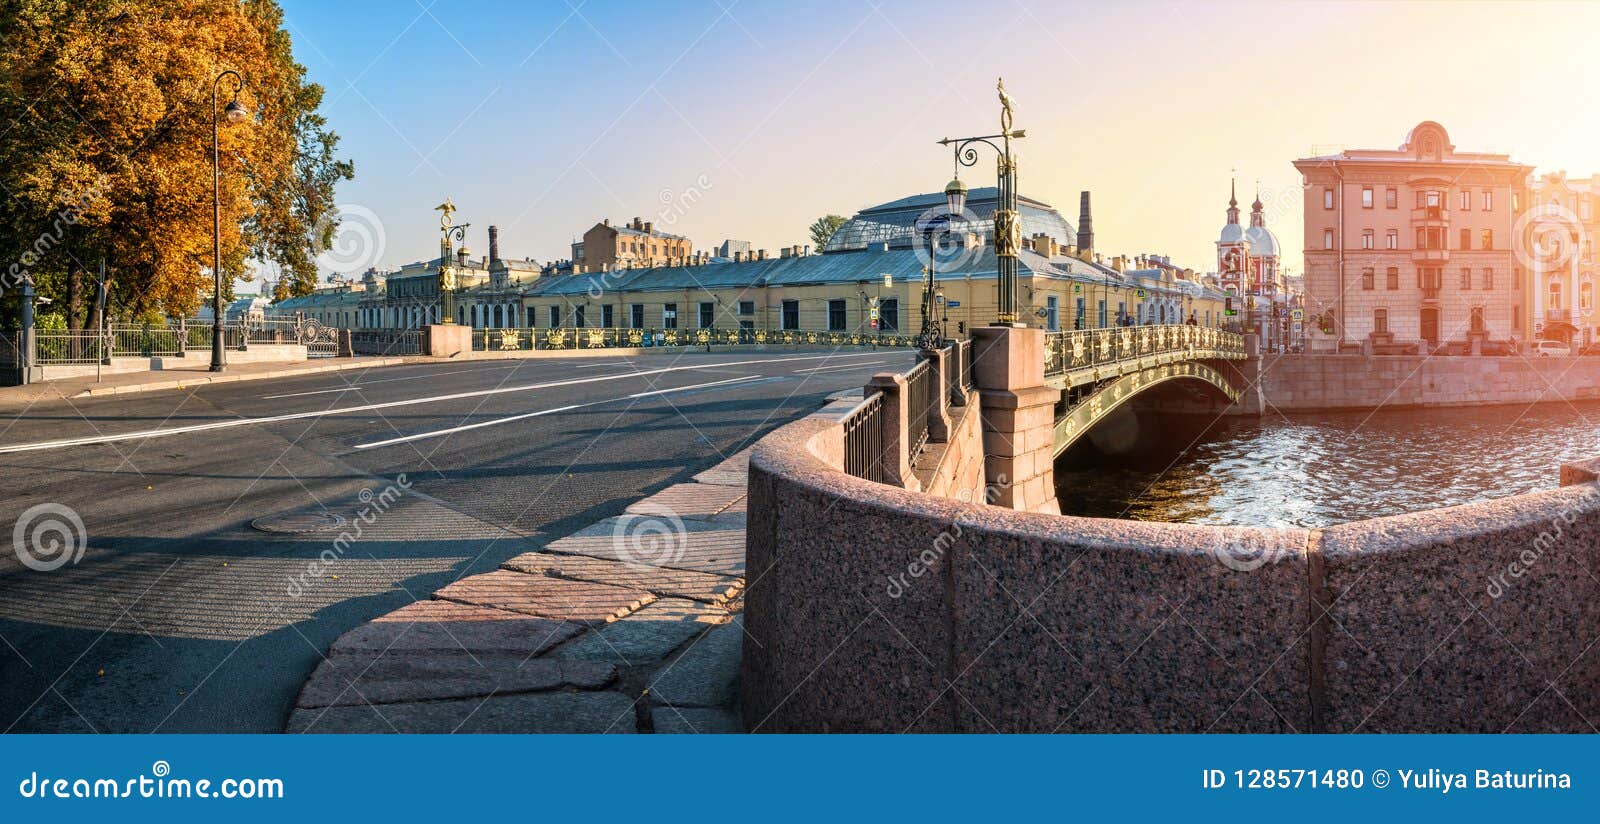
320, 778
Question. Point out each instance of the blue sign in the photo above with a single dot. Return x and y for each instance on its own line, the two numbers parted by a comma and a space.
952, 303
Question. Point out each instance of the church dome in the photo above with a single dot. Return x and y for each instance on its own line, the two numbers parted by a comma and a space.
1263, 243
1231, 233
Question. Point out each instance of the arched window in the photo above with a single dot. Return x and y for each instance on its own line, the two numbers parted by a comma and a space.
1586, 295
1554, 295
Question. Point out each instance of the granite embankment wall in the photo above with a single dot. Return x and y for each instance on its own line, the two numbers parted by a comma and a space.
1293, 383
876, 609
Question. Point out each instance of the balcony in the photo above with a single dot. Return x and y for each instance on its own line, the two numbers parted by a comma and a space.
1430, 255
1430, 293
1431, 216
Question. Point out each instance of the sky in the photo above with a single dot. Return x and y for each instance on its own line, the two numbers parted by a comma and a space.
721, 119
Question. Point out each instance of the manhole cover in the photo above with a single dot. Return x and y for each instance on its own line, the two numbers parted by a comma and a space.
299, 522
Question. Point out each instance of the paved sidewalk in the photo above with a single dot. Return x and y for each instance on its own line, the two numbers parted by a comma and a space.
180, 378
629, 625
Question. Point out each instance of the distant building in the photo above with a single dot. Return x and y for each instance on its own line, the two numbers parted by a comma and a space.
1248, 267
731, 249
1413, 246
1562, 222
605, 247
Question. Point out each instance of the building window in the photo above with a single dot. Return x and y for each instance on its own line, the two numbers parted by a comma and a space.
1516, 317
1392, 279
1327, 197
1466, 278
1391, 198
1078, 317
1327, 238
1488, 201
836, 319
1585, 209
1488, 278
1366, 238
1586, 296
636, 315
1466, 239
1488, 239
608, 316
791, 314
555, 317
1554, 301
1516, 202
747, 307
669, 316
1366, 280
1366, 197
708, 314
578, 319
1392, 239
1052, 313
889, 315
1380, 321
1466, 200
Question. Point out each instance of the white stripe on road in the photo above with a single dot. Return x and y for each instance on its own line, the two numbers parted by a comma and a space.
526, 415
353, 387
346, 410
816, 369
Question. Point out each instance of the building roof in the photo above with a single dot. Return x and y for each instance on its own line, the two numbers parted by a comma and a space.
897, 221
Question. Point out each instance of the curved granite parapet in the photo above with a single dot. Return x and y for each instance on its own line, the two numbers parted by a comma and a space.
874, 609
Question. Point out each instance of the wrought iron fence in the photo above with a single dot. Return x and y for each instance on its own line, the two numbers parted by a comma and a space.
123, 340
610, 337
960, 370
922, 388
863, 441
1066, 351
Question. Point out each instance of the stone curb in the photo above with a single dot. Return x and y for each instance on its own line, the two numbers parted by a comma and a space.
207, 378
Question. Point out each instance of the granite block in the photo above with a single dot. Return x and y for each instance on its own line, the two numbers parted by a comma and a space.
555, 712
581, 602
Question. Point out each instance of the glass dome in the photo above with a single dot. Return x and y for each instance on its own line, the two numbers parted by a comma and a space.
899, 222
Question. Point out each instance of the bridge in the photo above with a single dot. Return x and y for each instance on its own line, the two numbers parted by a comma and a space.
1099, 370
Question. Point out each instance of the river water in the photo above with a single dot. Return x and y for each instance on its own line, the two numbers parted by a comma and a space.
1323, 469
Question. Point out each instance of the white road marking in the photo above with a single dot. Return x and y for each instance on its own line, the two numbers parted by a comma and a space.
438, 433
346, 410
595, 365
815, 369
365, 384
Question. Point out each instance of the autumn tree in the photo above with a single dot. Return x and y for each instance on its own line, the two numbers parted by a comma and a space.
105, 150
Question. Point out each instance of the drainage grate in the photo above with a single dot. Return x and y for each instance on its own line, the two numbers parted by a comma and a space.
299, 522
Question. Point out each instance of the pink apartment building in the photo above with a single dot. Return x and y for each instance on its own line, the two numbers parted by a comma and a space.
1413, 249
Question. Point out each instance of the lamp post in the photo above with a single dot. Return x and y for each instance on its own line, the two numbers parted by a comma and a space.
1007, 224
447, 273
234, 113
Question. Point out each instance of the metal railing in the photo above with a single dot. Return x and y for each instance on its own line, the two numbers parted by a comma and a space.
1066, 351
961, 373
594, 337
863, 441
922, 388
127, 340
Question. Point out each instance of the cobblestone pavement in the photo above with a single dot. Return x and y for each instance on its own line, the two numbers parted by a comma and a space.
630, 625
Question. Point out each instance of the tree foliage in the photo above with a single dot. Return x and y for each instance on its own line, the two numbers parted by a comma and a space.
823, 228
105, 150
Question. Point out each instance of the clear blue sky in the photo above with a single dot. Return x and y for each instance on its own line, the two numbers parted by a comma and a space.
543, 117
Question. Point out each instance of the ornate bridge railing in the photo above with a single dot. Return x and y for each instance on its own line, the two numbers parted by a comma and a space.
1073, 358
608, 338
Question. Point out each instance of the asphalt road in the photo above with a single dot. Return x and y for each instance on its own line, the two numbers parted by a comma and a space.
183, 616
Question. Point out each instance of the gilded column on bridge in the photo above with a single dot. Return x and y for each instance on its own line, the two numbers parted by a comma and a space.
1007, 221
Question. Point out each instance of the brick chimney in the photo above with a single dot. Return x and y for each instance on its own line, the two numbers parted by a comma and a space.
494, 244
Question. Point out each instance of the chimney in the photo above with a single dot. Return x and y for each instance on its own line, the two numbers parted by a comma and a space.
636, 224
1085, 223
647, 226
494, 244
807, 251
763, 254
606, 221
738, 257
787, 251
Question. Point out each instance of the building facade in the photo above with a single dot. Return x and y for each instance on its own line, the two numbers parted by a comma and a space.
1413, 248
605, 247
1250, 272
1561, 223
